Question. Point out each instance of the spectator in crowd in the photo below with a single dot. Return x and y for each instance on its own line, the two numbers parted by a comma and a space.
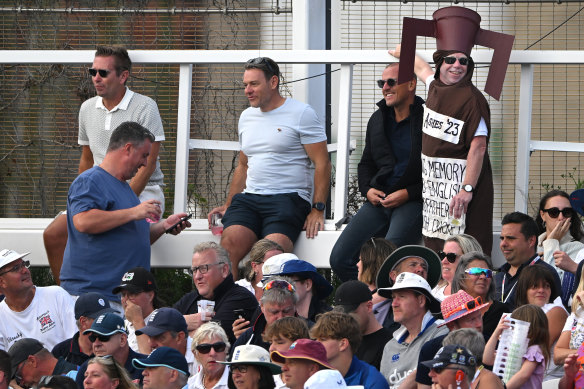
110, 337
413, 305
79, 348
28, 311
454, 247
572, 335
460, 310
213, 281
279, 167
167, 327
139, 296
518, 243
304, 358
260, 252
354, 297
572, 367
446, 365
106, 222
341, 336
372, 255
560, 238
164, 368
210, 345
327, 378
5, 370
113, 105
57, 382
31, 361
105, 372
419, 260
474, 275
251, 368
389, 174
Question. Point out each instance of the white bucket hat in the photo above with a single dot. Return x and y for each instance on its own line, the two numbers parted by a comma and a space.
250, 354
274, 266
7, 256
326, 378
416, 283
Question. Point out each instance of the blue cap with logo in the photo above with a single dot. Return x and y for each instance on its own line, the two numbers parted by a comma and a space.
165, 357
107, 324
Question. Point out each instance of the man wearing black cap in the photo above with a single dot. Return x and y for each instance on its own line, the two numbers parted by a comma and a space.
79, 348
31, 360
354, 297
452, 367
165, 368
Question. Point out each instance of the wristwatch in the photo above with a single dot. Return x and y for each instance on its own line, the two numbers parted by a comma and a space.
467, 188
319, 206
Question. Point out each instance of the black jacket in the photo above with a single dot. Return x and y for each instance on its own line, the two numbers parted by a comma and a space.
378, 161
70, 351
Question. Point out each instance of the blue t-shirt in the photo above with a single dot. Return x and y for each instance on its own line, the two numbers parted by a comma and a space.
97, 262
361, 373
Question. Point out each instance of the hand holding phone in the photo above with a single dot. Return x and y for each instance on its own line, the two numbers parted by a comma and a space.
182, 219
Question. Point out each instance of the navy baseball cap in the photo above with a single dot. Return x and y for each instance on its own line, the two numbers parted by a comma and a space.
351, 294
163, 356
303, 269
107, 324
162, 320
452, 354
92, 305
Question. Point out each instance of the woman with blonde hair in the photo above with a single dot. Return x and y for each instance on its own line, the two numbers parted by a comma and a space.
210, 345
106, 373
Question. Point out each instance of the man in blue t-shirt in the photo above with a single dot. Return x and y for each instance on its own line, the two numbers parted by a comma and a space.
107, 224
272, 193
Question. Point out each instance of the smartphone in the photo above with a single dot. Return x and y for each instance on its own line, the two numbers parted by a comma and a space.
182, 219
240, 313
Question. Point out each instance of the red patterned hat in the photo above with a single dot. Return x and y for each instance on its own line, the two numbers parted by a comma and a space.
458, 305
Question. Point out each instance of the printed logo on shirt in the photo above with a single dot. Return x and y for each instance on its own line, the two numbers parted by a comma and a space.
15, 337
46, 322
396, 377
395, 358
441, 126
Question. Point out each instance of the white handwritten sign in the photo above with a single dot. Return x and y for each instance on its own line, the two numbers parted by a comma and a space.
441, 126
442, 180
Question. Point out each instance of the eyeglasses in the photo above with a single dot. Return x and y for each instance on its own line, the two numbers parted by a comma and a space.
203, 268
280, 284
16, 268
103, 73
238, 367
102, 338
555, 212
451, 60
439, 370
262, 61
390, 82
468, 306
477, 271
451, 257
205, 348
18, 374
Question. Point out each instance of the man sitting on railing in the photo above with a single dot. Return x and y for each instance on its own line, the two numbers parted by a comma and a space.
270, 194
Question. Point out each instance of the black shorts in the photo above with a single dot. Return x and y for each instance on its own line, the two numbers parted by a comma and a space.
268, 214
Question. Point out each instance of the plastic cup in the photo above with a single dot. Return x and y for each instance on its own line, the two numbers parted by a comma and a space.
216, 225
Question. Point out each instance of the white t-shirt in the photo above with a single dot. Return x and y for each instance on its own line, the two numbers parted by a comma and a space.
50, 318
195, 381
132, 340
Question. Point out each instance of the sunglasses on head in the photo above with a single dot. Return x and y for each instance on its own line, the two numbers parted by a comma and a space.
555, 212
103, 73
102, 338
280, 284
477, 271
390, 82
451, 60
262, 61
205, 348
451, 257
468, 306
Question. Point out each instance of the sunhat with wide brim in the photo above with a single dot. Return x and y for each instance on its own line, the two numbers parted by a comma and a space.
404, 252
415, 283
249, 354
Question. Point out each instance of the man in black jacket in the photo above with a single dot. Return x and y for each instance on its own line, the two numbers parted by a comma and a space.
390, 176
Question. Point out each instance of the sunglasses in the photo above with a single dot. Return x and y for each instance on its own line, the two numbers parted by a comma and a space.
451, 257
555, 212
390, 82
239, 368
469, 306
451, 60
439, 370
102, 338
477, 271
205, 348
103, 73
17, 268
262, 61
280, 284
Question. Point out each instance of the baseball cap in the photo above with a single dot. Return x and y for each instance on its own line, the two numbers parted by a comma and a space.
7, 256
136, 280
351, 294
274, 265
163, 356
162, 320
404, 252
92, 305
249, 354
20, 351
303, 349
107, 324
304, 270
452, 354
458, 305
326, 378
414, 282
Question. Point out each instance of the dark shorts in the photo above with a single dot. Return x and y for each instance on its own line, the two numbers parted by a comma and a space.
268, 214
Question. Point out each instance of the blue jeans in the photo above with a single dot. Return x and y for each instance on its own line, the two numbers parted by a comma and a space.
401, 226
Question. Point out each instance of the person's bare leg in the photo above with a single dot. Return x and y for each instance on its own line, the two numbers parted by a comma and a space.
237, 240
55, 239
282, 240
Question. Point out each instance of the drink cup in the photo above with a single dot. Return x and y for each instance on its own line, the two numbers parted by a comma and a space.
216, 225
206, 308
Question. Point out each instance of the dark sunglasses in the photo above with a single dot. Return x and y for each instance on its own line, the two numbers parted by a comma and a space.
262, 61
103, 73
477, 271
240, 368
451, 257
451, 60
555, 212
102, 338
440, 369
205, 348
390, 82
